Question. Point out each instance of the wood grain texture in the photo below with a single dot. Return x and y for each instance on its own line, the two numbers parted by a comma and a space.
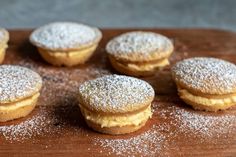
178, 129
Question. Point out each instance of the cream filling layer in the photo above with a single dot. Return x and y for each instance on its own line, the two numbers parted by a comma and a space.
18, 104
184, 94
73, 53
117, 120
146, 66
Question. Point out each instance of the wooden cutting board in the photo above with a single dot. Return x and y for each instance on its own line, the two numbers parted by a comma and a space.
56, 128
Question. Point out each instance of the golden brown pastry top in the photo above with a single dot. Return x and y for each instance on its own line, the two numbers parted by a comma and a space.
205, 75
4, 37
115, 94
140, 46
65, 36
17, 83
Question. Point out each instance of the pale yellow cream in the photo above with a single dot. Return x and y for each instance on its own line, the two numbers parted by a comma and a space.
146, 66
18, 104
2, 52
74, 53
184, 94
117, 120
3, 48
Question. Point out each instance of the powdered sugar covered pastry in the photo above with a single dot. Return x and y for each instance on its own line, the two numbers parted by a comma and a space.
206, 75
116, 104
116, 93
17, 83
66, 43
140, 46
65, 35
19, 91
206, 83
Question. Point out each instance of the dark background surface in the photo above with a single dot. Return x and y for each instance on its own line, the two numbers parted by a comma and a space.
120, 13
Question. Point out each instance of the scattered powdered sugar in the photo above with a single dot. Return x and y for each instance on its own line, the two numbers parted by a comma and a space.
198, 124
43, 122
138, 42
31, 127
17, 82
64, 35
116, 93
209, 75
202, 125
149, 143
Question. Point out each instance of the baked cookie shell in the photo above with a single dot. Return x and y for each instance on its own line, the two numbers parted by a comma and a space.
115, 94
18, 83
140, 46
203, 75
18, 113
46, 37
18, 109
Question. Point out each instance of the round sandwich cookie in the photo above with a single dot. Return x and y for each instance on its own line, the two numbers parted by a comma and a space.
19, 91
66, 43
206, 83
4, 38
116, 104
139, 53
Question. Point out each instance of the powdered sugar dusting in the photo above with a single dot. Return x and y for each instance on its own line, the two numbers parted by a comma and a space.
44, 121
64, 35
149, 143
31, 127
17, 82
205, 126
116, 93
209, 75
200, 125
144, 43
